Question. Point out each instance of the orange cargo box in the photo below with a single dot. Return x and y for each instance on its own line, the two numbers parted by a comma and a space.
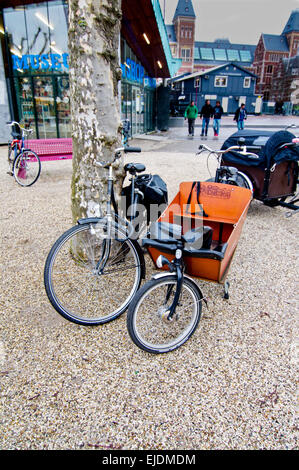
219, 206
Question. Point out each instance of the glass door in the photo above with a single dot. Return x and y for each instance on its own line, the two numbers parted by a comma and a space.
45, 107
137, 111
25, 103
62, 90
134, 112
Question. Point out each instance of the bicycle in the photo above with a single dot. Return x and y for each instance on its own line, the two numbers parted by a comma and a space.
167, 309
24, 164
94, 269
229, 174
197, 236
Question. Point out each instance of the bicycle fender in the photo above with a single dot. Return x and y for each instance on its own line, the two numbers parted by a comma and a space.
88, 220
95, 220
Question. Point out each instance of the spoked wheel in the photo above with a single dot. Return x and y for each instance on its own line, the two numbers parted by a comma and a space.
26, 168
147, 321
243, 181
90, 279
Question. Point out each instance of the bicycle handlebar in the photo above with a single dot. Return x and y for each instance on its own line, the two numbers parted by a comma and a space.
12, 123
219, 153
117, 154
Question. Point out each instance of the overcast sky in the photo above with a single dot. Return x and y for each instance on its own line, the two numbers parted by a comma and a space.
241, 21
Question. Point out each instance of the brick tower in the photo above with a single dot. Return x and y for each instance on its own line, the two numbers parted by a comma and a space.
291, 32
184, 26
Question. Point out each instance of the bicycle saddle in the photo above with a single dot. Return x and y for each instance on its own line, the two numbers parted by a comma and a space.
133, 168
164, 232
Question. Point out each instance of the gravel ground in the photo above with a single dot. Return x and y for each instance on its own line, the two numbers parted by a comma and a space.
64, 386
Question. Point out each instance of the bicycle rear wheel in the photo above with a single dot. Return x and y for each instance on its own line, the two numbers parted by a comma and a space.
89, 279
147, 321
26, 168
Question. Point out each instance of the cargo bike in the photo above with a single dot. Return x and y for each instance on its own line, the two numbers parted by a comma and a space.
195, 237
265, 162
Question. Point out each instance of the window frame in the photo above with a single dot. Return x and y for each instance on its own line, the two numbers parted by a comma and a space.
245, 80
217, 77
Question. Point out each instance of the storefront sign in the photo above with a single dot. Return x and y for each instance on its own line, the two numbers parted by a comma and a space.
133, 71
150, 82
40, 62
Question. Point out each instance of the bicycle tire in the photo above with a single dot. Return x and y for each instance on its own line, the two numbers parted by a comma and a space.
242, 180
74, 287
155, 325
26, 168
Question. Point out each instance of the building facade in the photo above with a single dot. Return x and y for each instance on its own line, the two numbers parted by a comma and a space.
34, 64
229, 83
270, 52
201, 55
285, 86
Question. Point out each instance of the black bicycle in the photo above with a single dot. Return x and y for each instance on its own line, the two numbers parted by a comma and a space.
95, 268
24, 164
166, 311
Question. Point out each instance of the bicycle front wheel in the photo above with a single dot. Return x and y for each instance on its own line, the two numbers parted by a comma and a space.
89, 279
243, 181
26, 168
147, 321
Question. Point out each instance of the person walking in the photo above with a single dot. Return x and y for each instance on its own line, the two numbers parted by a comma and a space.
240, 116
207, 111
191, 113
218, 111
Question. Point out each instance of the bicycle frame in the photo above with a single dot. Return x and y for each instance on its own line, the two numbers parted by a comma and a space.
113, 221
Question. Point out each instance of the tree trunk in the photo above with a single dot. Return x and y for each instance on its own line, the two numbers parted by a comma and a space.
94, 36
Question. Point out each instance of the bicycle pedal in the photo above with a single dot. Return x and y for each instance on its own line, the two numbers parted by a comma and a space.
10, 173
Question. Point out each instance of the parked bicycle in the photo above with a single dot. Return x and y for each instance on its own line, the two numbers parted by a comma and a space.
24, 164
229, 174
196, 236
95, 268
264, 161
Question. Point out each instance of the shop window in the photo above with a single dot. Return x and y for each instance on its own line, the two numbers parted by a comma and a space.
220, 81
247, 82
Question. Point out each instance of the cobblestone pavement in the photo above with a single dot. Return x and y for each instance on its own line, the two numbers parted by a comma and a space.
64, 386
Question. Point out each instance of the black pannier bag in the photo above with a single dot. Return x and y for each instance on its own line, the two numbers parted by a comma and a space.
155, 192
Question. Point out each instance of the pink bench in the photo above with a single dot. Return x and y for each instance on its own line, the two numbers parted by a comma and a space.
51, 149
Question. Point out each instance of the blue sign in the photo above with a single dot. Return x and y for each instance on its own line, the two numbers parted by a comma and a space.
132, 71
40, 62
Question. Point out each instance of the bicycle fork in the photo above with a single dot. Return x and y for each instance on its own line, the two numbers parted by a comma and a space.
175, 265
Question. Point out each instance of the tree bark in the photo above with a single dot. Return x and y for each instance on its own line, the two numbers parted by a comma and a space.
94, 36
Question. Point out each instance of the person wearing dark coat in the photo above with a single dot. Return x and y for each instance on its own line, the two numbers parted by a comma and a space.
218, 111
240, 116
207, 111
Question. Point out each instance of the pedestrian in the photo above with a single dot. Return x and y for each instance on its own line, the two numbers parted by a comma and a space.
191, 113
218, 111
240, 116
207, 111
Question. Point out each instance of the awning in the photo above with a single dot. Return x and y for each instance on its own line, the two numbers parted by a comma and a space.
145, 32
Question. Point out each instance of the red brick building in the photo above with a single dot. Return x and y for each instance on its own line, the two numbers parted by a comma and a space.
201, 55
184, 30
270, 51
